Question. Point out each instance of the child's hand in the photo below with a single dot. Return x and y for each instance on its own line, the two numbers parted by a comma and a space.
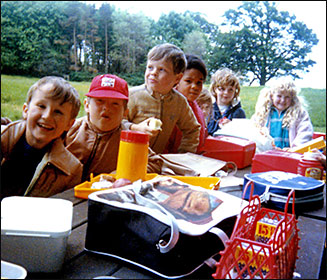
144, 127
319, 156
224, 121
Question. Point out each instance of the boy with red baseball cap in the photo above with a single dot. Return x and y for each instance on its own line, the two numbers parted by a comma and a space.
94, 139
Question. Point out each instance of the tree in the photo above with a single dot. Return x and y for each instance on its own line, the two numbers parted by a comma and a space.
130, 45
172, 28
195, 43
265, 42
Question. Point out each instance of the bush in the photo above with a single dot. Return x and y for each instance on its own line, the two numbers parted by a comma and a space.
81, 76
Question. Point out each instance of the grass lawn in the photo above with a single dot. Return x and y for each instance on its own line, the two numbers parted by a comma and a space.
14, 90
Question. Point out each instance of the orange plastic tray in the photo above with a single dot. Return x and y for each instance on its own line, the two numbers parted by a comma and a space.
212, 183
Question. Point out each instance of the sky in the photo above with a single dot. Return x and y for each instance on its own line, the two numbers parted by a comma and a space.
311, 13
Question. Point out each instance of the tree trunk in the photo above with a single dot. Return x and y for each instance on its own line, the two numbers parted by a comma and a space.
75, 49
106, 49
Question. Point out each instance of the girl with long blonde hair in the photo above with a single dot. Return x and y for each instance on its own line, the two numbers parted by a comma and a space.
280, 109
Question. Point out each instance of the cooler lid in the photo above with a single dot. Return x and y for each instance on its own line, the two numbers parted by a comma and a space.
36, 216
284, 180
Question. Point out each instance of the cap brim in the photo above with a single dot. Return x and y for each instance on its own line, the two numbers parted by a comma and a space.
107, 94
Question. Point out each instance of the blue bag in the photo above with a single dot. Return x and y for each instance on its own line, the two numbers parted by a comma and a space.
273, 188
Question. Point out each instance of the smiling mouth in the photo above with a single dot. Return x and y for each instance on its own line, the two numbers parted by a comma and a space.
44, 126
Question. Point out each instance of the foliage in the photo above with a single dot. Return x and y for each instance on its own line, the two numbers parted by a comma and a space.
76, 39
14, 90
267, 43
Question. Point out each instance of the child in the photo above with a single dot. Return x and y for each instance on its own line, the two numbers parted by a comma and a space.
34, 161
191, 86
204, 101
225, 87
279, 109
94, 139
157, 98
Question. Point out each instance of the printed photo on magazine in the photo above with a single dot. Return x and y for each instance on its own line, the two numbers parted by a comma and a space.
195, 209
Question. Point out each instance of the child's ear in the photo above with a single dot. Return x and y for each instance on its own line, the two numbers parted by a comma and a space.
25, 110
86, 105
70, 124
178, 78
125, 113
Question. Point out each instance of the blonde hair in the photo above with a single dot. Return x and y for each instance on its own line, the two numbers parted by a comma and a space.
61, 90
225, 77
264, 103
171, 53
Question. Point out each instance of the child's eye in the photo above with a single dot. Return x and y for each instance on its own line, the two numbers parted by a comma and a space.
40, 106
99, 101
58, 112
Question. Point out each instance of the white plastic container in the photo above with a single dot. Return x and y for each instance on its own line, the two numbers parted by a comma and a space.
12, 271
34, 232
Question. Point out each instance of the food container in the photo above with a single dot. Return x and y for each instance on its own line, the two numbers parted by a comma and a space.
229, 148
132, 155
34, 232
84, 189
277, 160
12, 271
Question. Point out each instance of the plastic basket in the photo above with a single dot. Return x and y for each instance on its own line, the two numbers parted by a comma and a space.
244, 257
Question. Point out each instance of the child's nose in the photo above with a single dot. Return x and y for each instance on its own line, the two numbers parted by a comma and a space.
46, 113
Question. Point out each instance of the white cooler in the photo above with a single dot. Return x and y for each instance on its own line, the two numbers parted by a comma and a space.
34, 232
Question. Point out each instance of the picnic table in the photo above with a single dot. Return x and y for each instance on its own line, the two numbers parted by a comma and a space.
79, 264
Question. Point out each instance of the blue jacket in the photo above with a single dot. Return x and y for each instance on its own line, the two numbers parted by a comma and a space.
233, 111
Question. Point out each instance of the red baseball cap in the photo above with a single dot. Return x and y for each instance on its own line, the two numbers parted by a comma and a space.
108, 86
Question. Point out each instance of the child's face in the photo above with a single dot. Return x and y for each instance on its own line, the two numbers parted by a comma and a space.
281, 100
46, 118
105, 114
206, 109
160, 76
225, 94
191, 84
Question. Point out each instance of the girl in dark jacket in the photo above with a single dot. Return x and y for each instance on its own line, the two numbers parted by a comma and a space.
225, 87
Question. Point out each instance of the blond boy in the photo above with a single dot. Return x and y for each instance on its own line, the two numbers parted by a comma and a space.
34, 161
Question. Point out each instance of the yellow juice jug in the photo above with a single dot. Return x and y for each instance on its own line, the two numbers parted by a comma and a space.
132, 155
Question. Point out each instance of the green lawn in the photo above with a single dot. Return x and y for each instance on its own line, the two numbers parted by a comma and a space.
14, 90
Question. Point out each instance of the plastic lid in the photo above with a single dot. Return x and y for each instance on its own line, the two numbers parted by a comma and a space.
134, 137
36, 215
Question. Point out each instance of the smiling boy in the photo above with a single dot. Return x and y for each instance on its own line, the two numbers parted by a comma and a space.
157, 98
34, 161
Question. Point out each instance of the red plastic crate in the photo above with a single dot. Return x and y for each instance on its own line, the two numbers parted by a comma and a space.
229, 148
244, 257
